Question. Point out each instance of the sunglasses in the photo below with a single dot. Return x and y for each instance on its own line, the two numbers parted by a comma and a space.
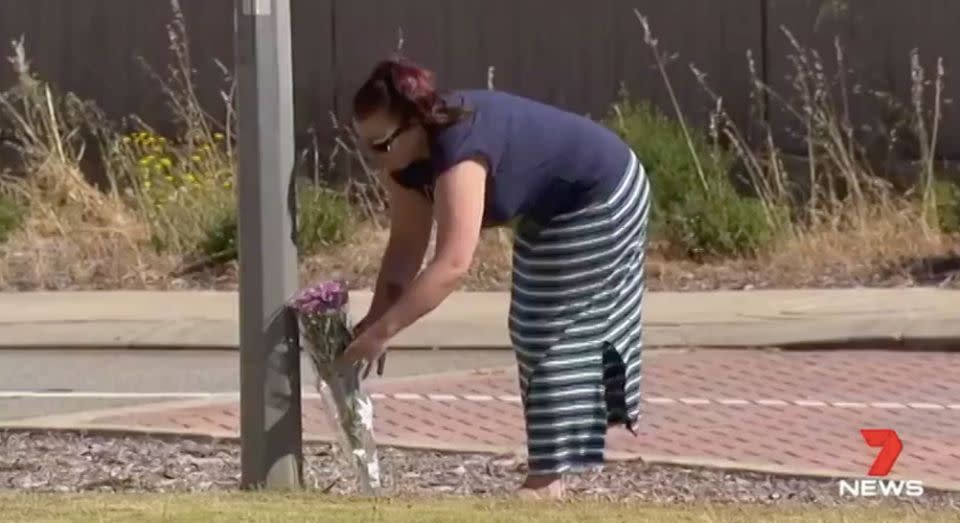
384, 145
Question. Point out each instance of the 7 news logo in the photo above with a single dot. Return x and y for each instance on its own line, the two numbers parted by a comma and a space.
890, 447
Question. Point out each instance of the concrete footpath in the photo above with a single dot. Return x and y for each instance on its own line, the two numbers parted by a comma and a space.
876, 318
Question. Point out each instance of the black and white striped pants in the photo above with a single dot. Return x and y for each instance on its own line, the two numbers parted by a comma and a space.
575, 324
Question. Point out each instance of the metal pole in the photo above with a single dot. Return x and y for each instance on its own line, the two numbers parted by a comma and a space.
271, 452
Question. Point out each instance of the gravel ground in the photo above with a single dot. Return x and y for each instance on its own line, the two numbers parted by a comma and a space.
70, 462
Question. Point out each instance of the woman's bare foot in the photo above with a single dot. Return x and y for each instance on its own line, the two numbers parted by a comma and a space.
547, 486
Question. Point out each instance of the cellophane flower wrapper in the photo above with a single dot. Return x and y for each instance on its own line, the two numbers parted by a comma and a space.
326, 331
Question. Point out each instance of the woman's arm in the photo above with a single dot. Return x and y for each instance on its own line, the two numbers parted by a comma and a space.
410, 225
458, 209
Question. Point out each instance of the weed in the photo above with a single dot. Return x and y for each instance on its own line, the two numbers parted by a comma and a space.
696, 208
11, 216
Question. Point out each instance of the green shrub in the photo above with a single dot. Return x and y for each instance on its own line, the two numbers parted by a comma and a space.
220, 238
703, 216
323, 220
723, 223
947, 196
11, 216
181, 186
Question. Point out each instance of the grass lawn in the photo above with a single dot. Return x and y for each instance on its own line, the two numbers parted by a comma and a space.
209, 508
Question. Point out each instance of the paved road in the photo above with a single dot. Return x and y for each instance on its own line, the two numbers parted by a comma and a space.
69, 374
796, 412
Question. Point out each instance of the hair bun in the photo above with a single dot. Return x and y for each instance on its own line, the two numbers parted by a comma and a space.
407, 90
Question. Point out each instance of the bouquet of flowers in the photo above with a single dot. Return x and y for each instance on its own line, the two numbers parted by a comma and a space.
326, 332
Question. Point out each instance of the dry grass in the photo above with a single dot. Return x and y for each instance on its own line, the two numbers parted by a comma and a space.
888, 246
359, 260
208, 508
888, 253
73, 232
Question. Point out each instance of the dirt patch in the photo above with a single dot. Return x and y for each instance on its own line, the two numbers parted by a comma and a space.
887, 257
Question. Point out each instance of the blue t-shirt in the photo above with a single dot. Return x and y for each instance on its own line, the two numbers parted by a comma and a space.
543, 160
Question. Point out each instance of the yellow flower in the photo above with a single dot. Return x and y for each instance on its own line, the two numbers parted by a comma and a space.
146, 160
166, 162
163, 140
191, 178
196, 158
227, 185
147, 184
169, 178
218, 137
126, 139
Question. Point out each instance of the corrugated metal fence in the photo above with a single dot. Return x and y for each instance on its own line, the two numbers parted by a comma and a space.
572, 53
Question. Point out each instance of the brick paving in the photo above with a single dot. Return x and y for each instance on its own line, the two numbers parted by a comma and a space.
792, 412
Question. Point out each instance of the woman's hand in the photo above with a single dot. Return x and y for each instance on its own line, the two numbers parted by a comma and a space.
367, 346
358, 330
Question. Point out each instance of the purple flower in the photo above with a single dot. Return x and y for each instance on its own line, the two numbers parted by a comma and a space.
326, 297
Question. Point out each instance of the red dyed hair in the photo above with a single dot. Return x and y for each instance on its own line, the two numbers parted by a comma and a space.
407, 91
